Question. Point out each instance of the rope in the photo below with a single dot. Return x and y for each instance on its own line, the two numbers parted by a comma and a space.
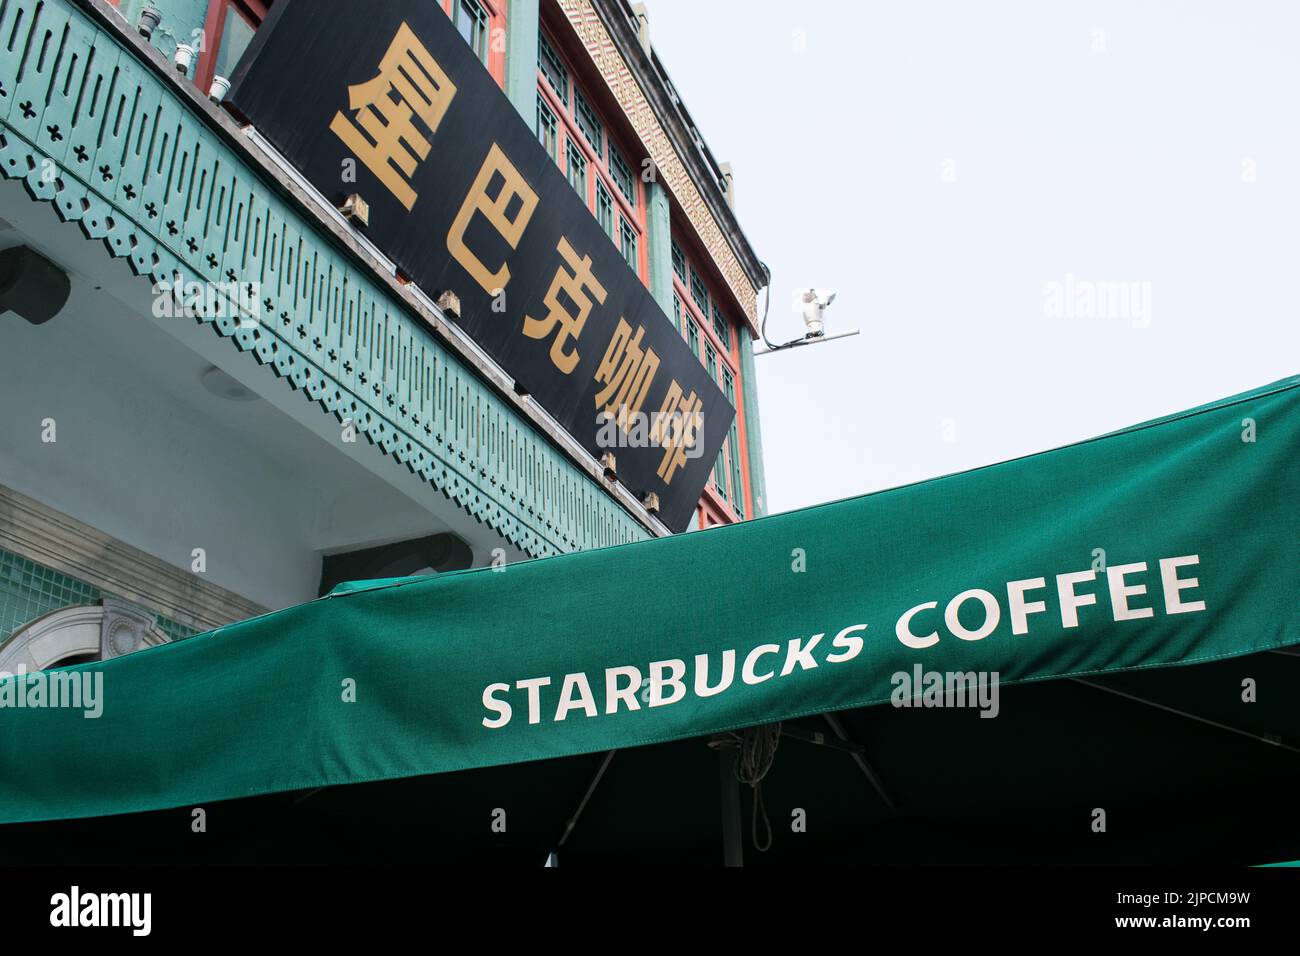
757, 753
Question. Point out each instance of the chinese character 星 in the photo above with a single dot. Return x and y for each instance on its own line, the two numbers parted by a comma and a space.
626, 372
575, 282
383, 135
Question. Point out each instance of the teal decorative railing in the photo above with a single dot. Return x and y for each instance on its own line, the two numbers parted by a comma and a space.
89, 127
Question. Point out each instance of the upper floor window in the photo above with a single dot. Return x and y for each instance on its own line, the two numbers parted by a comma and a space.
679, 261
472, 22
577, 169
552, 67
547, 129
588, 123
605, 209
699, 291
590, 159
228, 29
627, 243
721, 327
622, 176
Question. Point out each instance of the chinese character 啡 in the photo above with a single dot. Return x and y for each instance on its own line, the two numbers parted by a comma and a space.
676, 428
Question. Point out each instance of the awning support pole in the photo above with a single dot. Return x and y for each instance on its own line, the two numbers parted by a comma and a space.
595, 782
859, 757
733, 848
1271, 740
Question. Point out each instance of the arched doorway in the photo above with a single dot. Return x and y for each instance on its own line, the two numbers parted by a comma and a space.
74, 635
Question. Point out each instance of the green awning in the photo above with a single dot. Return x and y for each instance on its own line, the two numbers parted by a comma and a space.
1169, 543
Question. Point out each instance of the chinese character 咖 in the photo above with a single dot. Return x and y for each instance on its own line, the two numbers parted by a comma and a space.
383, 135
626, 372
515, 194
676, 428
575, 282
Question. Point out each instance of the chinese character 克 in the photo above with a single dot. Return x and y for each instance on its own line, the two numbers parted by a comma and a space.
574, 282
675, 429
384, 136
626, 371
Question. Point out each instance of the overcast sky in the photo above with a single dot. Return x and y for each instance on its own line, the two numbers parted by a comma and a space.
947, 167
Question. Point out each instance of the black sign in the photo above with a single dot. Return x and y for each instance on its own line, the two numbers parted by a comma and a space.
387, 101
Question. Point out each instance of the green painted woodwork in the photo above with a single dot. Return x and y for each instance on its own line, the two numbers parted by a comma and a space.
753, 429
521, 57
659, 245
90, 128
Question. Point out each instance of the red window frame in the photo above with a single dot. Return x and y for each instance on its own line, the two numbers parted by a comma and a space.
255, 11
214, 28
496, 11
728, 355
567, 131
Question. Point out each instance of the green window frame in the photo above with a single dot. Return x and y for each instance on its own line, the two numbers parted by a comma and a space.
605, 209
699, 291
733, 448
548, 126
693, 336
576, 168
627, 241
679, 261
677, 313
472, 22
622, 176
721, 327
720, 471
552, 67
589, 123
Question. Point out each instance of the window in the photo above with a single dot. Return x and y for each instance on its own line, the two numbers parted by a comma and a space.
693, 336
627, 243
548, 61
546, 129
679, 260
605, 209
733, 448
622, 176
699, 291
720, 470
472, 22
720, 326
677, 313
227, 29
588, 123
711, 361
577, 169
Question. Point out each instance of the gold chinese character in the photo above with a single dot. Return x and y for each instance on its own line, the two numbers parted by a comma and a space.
574, 283
626, 372
676, 428
387, 141
497, 212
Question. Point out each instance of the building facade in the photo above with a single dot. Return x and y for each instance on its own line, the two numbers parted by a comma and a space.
167, 467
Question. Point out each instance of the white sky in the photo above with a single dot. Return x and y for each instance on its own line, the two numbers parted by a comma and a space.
1129, 165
